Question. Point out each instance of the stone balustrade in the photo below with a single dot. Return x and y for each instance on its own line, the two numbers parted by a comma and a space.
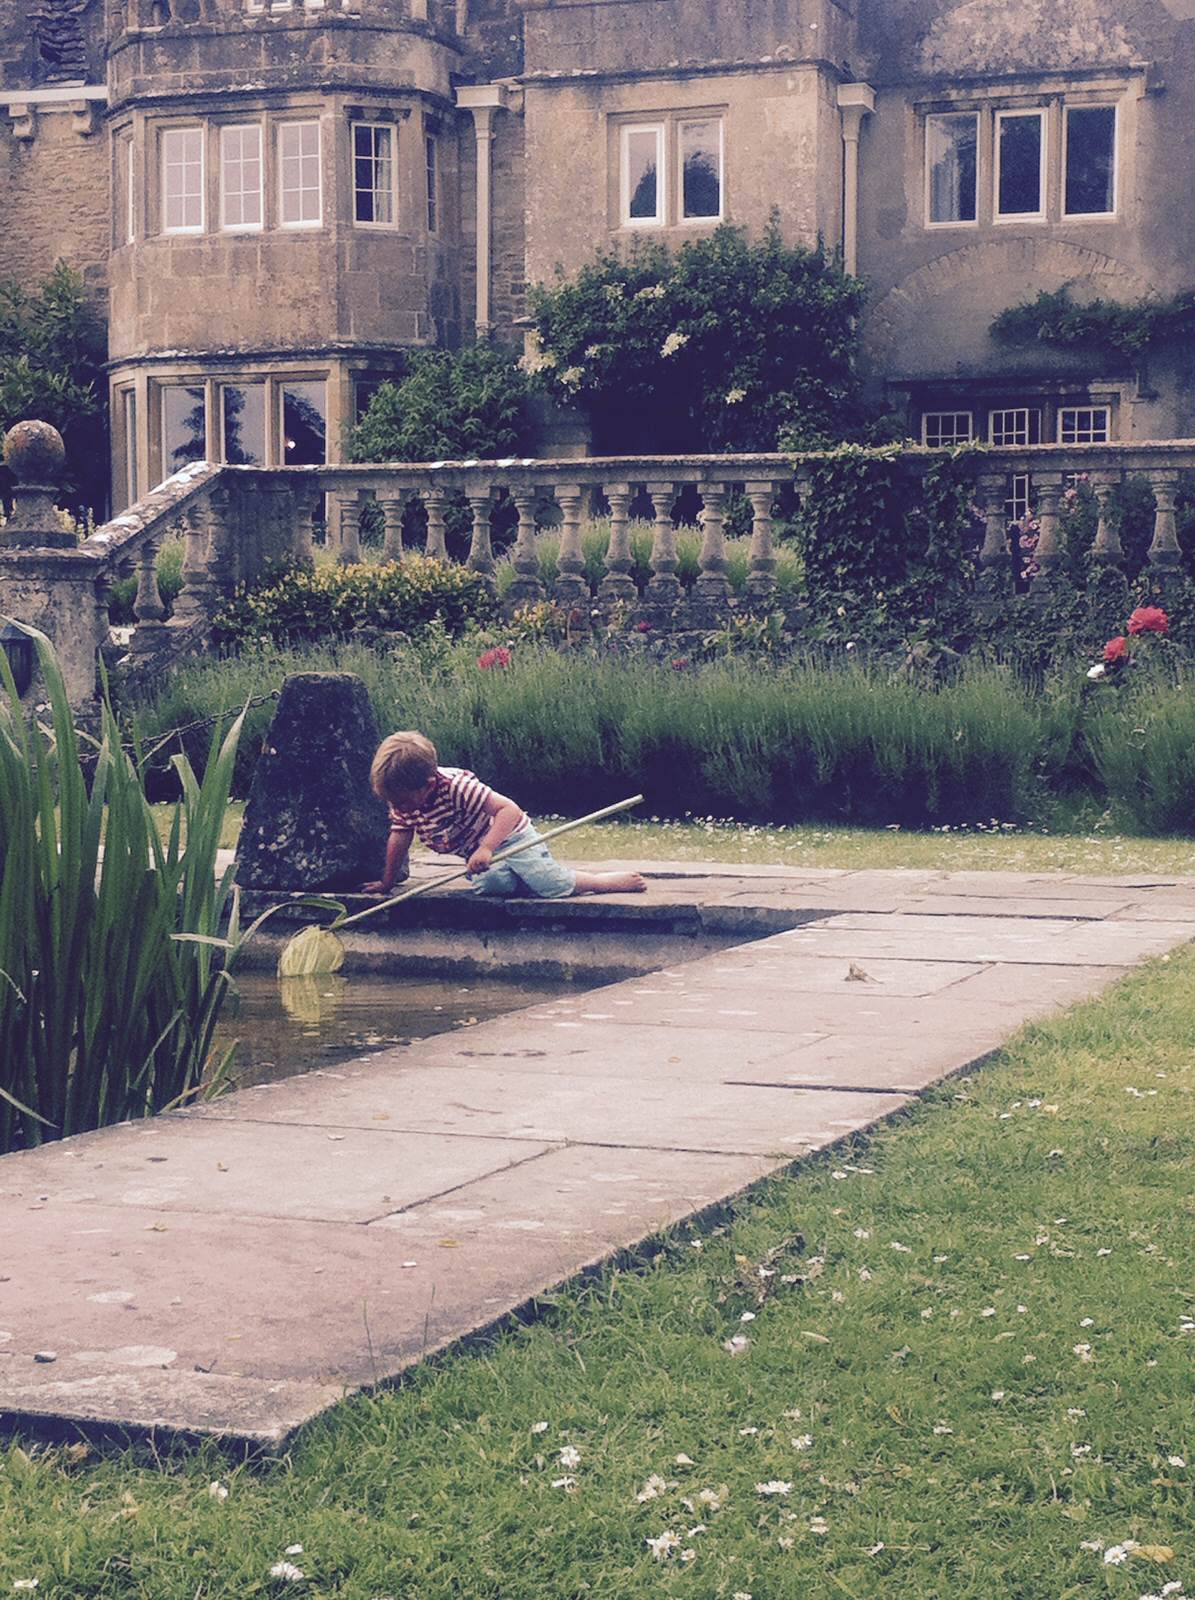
239, 521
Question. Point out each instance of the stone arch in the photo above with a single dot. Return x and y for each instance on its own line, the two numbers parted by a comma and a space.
987, 275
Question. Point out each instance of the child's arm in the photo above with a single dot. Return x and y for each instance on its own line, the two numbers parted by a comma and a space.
505, 817
398, 847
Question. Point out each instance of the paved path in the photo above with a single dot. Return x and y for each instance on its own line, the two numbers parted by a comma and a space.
237, 1268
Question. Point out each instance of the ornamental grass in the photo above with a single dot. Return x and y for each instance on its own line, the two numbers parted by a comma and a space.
111, 971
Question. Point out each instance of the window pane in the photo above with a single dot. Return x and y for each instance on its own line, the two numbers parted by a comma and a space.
1084, 425
129, 406
184, 426
130, 194
1019, 191
950, 144
433, 208
182, 180
942, 428
701, 166
244, 412
643, 174
299, 172
1090, 160
1021, 425
240, 176
304, 428
373, 174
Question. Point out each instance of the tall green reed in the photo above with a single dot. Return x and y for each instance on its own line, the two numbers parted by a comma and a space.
113, 969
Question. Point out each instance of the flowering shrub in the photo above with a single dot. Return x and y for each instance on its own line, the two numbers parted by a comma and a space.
498, 656
399, 597
1120, 651
721, 346
449, 405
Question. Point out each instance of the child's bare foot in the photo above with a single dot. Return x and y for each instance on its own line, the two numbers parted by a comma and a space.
610, 883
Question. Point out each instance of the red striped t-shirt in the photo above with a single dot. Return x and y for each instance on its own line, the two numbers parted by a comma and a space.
453, 819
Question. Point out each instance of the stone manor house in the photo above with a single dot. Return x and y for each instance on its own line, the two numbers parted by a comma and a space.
276, 197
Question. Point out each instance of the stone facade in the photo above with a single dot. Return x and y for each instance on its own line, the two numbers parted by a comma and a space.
281, 197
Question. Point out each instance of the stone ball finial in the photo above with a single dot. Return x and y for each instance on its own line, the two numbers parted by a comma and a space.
34, 452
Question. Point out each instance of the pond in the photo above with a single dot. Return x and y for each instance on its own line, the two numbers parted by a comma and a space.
287, 1026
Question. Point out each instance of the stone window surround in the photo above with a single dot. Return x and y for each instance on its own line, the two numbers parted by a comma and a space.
392, 130
1049, 407
668, 123
143, 133
1053, 97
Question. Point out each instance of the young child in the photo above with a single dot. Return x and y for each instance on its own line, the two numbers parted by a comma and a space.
454, 813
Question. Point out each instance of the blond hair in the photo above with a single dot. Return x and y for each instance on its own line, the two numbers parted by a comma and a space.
404, 762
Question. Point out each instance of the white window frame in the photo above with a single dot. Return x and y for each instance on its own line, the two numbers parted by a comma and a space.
929, 416
1020, 498
1027, 413
1095, 105
391, 131
961, 222
1004, 217
1091, 413
186, 163
659, 129
680, 125
128, 416
282, 129
242, 227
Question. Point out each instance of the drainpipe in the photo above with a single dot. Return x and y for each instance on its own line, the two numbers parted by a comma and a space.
855, 101
482, 100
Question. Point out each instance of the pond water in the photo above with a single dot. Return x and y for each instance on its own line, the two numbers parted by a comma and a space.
286, 1026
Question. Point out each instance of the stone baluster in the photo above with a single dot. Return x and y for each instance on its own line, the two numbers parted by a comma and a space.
995, 568
481, 549
350, 528
761, 578
393, 506
195, 598
527, 586
110, 651
1049, 552
148, 607
618, 584
571, 587
306, 505
1106, 547
1165, 552
712, 587
663, 587
433, 503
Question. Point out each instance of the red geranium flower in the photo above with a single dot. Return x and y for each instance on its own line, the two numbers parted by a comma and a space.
1149, 619
499, 656
643, 627
1116, 649
680, 663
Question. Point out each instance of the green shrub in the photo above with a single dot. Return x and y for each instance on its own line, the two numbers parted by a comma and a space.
722, 346
1141, 734
450, 405
105, 1013
330, 601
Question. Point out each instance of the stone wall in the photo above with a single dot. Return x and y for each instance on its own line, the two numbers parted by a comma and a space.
936, 290
54, 196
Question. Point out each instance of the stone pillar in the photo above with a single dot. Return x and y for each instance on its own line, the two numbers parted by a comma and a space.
1049, 552
712, 588
481, 549
46, 581
664, 587
1107, 585
761, 581
392, 506
1165, 552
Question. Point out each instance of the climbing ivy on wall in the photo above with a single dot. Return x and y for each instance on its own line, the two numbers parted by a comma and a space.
1124, 328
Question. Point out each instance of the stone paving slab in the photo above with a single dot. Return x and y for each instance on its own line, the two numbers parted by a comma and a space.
234, 1269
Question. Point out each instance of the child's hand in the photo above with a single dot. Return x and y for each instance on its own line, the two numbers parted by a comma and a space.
376, 888
480, 861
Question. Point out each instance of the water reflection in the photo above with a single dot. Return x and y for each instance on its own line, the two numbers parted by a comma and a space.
286, 1026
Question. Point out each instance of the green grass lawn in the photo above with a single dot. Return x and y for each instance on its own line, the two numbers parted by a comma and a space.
1007, 850
967, 1375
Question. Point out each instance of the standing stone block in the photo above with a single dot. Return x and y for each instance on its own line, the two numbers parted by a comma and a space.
312, 821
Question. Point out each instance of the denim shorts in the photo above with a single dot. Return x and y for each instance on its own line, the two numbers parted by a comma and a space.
533, 871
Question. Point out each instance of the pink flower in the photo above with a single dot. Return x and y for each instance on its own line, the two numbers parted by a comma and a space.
643, 627
1149, 619
1116, 649
499, 656
680, 663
